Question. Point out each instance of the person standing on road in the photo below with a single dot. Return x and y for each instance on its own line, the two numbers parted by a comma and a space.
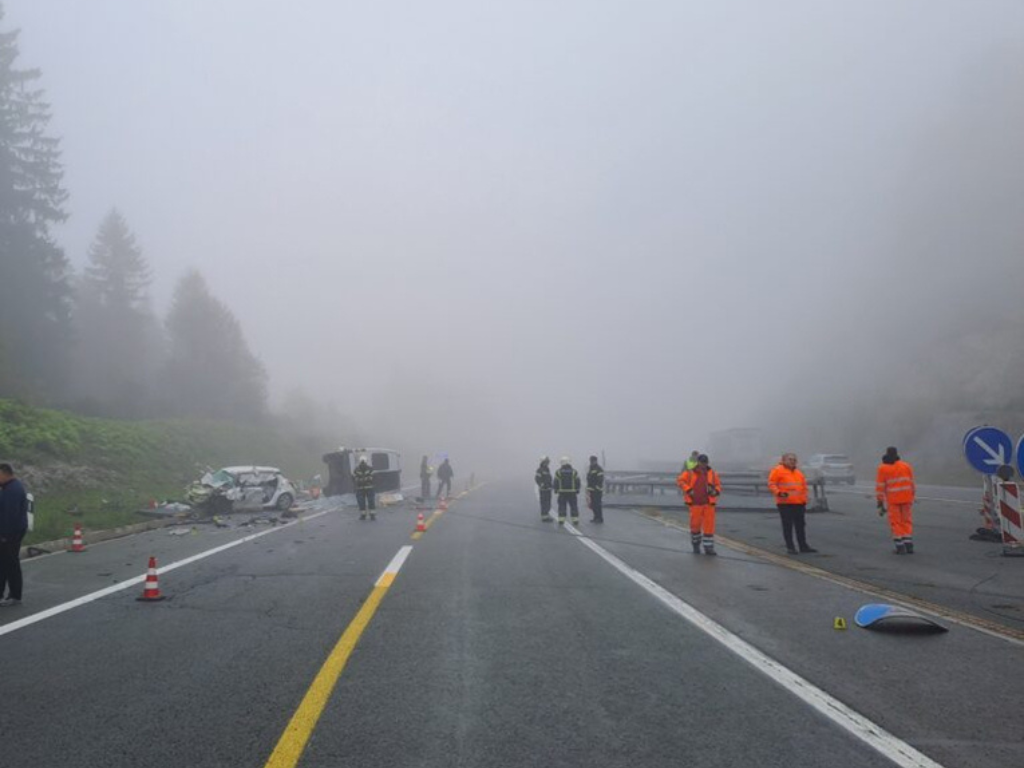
895, 491
595, 490
789, 486
362, 478
444, 479
542, 477
425, 473
701, 488
13, 527
567, 486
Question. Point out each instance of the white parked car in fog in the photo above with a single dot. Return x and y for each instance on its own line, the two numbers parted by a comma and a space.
832, 467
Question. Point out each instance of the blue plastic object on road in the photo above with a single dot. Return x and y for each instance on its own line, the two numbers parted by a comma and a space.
874, 614
987, 449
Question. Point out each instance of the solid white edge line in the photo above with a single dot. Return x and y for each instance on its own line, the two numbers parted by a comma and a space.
870, 733
396, 564
57, 609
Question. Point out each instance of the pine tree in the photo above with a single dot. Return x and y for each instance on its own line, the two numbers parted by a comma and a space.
118, 272
119, 338
34, 290
210, 372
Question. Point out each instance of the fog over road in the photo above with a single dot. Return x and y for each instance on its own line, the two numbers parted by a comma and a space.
502, 640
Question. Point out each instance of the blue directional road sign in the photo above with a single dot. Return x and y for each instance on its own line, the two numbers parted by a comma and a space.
987, 449
1020, 457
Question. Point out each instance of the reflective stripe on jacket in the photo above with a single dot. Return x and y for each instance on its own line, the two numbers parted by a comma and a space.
595, 478
363, 477
688, 479
894, 483
782, 479
543, 478
567, 480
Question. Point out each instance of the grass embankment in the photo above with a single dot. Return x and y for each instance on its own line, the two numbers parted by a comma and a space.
107, 470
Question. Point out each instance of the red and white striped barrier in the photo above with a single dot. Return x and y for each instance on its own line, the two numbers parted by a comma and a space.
1011, 518
989, 515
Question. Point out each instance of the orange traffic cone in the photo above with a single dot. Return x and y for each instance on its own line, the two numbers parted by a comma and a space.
76, 542
152, 591
420, 524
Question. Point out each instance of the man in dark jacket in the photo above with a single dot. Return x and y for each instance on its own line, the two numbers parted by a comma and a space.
567, 486
445, 473
13, 526
542, 477
595, 490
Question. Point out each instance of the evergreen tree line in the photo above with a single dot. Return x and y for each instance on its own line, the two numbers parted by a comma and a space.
91, 340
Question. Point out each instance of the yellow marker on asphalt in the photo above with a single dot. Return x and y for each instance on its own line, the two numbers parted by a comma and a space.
296, 735
1012, 634
839, 623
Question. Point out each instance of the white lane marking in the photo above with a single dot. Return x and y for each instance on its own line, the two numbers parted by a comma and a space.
395, 565
855, 723
58, 609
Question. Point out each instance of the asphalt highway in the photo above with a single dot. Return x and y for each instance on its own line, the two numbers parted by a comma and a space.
494, 639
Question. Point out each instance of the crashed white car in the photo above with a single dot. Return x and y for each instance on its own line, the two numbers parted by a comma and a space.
240, 488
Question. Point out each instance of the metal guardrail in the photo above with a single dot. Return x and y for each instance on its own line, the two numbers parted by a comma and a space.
660, 484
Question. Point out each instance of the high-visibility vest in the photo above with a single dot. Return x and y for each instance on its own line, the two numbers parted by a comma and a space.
792, 482
894, 483
688, 479
595, 478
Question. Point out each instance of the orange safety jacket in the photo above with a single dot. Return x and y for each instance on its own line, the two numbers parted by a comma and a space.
688, 478
894, 483
782, 479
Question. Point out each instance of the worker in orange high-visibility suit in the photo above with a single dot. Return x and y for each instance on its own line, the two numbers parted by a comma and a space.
701, 487
895, 489
789, 487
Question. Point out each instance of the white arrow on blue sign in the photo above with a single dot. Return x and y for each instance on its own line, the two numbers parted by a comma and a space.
987, 449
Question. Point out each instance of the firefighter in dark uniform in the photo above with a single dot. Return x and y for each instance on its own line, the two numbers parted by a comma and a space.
543, 480
595, 490
445, 473
567, 485
363, 480
425, 472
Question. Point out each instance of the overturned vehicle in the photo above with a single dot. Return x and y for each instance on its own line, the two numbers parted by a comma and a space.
241, 488
387, 473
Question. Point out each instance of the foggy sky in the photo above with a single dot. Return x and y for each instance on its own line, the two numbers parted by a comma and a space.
549, 227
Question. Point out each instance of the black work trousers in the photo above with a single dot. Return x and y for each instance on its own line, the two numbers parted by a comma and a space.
595, 505
444, 486
10, 566
793, 518
366, 498
425, 487
568, 500
545, 503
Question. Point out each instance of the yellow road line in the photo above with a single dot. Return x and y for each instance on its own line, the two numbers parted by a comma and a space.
1011, 634
296, 734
